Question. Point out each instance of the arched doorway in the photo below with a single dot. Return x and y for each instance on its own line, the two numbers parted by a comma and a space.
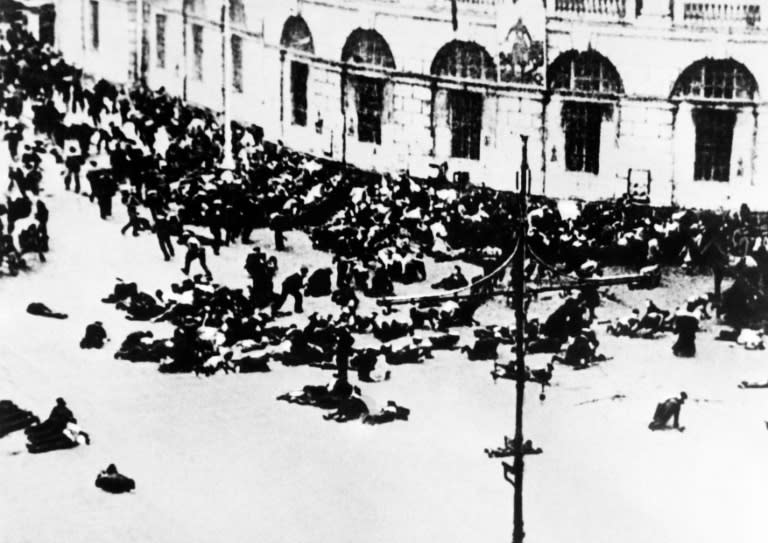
458, 113
368, 56
720, 94
590, 89
296, 42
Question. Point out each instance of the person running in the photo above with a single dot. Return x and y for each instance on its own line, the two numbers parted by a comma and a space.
132, 206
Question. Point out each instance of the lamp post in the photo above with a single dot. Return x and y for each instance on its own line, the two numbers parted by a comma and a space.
518, 272
228, 161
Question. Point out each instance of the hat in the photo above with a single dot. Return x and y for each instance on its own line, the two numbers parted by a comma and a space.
683, 395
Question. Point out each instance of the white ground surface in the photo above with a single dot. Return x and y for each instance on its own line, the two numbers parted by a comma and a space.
221, 460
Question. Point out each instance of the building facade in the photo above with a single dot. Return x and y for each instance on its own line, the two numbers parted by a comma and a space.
663, 96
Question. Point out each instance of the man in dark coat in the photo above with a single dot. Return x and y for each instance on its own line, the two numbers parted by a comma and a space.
73, 164
163, 232
292, 285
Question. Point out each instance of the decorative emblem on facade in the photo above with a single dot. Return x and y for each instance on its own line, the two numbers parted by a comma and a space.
522, 58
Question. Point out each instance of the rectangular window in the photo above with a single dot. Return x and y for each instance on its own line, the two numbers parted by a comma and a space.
160, 21
466, 120
94, 24
714, 141
197, 52
581, 123
237, 63
369, 94
299, 75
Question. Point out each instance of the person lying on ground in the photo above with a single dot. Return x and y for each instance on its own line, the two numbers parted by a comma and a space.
13, 418
505, 334
753, 384
141, 306
301, 351
485, 348
71, 436
751, 340
411, 352
122, 291
323, 396
215, 363
349, 408
41, 310
625, 326
110, 480
444, 342
141, 347
455, 280
390, 413
458, 313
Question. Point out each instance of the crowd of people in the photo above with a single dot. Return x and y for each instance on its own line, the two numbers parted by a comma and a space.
160, 156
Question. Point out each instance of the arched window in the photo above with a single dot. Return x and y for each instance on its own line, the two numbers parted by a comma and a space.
590, 75
586, 72
296, 37
460, 109
718, 88
464, 60
718, 80
366, 47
